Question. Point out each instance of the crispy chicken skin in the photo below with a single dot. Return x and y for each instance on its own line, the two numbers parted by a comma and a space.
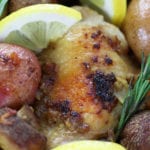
84, 75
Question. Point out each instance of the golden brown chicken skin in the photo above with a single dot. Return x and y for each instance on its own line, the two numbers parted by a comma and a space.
83, 78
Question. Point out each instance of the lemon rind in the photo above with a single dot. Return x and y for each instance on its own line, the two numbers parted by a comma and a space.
48, 8
120, 8
61, 13
88, 144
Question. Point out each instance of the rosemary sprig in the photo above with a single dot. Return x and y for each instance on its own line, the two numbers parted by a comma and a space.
135, 95
3, 4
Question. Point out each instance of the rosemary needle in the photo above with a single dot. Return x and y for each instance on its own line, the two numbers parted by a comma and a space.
3, 4
135, 95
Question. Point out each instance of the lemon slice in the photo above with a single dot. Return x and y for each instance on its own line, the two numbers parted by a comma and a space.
35, 26
113, 10
90, 145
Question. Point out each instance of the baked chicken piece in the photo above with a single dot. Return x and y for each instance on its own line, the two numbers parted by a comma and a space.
84, 76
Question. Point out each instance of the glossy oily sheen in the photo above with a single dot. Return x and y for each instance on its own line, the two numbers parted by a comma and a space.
137, 27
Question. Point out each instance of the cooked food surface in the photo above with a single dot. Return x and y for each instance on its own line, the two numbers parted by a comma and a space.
84, 75
136, 135
136, 27
14, 5
16, 134
19, 75
26, 113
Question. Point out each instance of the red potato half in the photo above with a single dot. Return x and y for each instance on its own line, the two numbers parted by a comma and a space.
20, 75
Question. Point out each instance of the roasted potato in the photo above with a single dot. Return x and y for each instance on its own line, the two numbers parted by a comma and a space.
20, 74
136, 27
136, 135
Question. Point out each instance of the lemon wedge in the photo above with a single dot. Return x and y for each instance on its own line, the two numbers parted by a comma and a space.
113, 10
90, 145
35, 26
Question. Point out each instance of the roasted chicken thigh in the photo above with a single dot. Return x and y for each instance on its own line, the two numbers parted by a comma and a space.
84, 79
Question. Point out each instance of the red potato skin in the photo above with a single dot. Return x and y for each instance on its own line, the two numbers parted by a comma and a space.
20, 75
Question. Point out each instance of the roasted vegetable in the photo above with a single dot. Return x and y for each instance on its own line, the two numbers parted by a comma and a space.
19, 75
136, 27
136, 135
16, 134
